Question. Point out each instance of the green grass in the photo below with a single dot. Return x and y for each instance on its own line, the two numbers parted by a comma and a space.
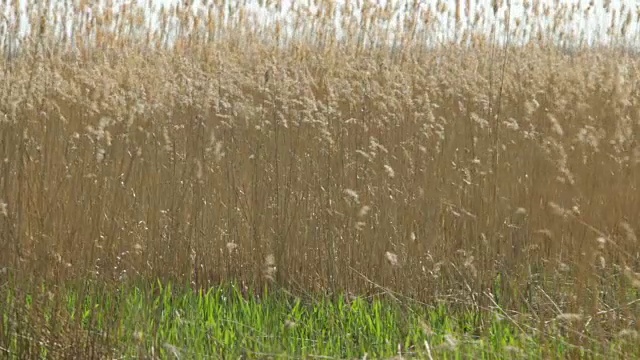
164, 322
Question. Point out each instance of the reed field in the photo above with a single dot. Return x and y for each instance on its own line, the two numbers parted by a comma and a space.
217, 187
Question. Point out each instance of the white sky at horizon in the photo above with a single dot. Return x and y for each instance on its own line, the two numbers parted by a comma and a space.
593, 28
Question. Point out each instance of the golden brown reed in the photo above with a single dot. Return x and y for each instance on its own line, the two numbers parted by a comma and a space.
319, 165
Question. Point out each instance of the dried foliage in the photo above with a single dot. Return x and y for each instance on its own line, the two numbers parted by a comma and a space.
484, 175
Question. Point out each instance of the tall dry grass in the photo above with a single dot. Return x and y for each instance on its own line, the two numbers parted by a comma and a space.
480, 175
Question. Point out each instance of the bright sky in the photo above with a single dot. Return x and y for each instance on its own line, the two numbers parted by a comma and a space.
593, 28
